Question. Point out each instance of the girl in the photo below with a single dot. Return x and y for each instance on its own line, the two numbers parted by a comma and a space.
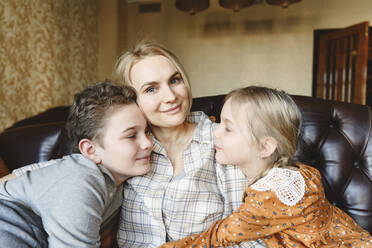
284, 204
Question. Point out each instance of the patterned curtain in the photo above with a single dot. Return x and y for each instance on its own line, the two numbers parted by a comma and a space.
48, 52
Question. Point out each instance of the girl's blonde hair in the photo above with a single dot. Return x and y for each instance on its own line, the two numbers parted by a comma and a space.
142, 50
265, 112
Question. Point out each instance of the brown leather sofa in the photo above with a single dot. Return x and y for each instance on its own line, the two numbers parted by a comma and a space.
336, 139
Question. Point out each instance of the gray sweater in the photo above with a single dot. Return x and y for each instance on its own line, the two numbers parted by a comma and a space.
73, 196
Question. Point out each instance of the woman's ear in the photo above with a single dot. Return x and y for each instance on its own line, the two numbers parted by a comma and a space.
89, 150
268, 146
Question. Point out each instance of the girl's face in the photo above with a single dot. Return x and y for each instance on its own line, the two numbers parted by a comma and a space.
232, 146
161, 92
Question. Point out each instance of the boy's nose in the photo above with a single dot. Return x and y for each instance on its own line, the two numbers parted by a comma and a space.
146, 143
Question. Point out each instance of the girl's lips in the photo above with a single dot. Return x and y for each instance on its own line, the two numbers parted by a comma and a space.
146, 158
217, 147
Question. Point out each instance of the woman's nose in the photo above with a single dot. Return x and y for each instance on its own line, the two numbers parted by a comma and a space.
168, 94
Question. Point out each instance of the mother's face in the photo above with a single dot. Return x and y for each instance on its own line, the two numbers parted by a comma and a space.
161, 91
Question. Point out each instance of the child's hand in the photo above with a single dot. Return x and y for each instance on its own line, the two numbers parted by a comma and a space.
7, 178
168, 245
189, 241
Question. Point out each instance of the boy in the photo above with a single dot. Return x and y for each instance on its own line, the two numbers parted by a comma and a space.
76, 194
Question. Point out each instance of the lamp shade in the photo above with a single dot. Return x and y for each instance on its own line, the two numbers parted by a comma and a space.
235, 5
192, 6
282, 3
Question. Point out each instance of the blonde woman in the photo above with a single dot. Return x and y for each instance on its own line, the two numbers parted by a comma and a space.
186, 191
284, 204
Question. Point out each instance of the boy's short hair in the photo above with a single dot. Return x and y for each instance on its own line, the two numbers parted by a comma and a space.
92, 107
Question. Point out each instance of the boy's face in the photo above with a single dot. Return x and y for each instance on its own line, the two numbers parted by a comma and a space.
125, 145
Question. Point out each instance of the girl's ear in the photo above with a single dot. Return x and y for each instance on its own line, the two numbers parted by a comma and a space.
268, 146
88, 149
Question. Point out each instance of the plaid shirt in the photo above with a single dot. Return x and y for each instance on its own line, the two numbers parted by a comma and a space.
160, 207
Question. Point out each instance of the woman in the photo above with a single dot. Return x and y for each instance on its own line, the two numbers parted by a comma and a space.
186, 190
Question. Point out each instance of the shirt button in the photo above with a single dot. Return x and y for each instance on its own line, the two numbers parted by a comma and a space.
111, 194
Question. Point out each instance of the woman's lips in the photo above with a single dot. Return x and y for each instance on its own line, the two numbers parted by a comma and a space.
173, 110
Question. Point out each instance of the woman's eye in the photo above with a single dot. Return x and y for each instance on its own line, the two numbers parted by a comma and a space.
175, 80
150, 90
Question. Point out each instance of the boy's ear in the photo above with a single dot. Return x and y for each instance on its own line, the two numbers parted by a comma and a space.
88, 149
268, 146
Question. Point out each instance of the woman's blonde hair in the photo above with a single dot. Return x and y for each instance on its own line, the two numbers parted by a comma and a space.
265, 112
142, 50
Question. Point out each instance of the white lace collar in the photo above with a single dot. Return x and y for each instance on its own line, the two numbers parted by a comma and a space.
288, 185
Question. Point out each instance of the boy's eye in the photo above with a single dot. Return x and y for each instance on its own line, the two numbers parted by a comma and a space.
131, 136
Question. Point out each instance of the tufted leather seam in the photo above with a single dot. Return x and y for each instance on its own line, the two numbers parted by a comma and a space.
347, 183
355, 153
321, 143
363, 169
344, 134
362, 150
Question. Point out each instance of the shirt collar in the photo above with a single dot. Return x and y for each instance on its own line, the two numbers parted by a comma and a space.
200, 134
202, 130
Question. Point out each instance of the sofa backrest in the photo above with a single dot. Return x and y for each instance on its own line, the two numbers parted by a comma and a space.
336, 139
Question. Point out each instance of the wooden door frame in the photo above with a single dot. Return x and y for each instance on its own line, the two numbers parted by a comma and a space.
317, 33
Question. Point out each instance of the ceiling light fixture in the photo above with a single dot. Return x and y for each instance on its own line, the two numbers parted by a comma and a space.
282, 3
195, 6
192, 6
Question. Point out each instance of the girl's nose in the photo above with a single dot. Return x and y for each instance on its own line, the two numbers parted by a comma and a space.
216, 132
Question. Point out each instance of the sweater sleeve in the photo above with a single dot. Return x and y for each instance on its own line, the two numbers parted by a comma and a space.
74, 215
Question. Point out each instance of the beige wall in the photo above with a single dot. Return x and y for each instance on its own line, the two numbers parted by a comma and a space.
108, 32
264, 44
48, 52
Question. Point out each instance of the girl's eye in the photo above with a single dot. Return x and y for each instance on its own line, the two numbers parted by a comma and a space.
227, 128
